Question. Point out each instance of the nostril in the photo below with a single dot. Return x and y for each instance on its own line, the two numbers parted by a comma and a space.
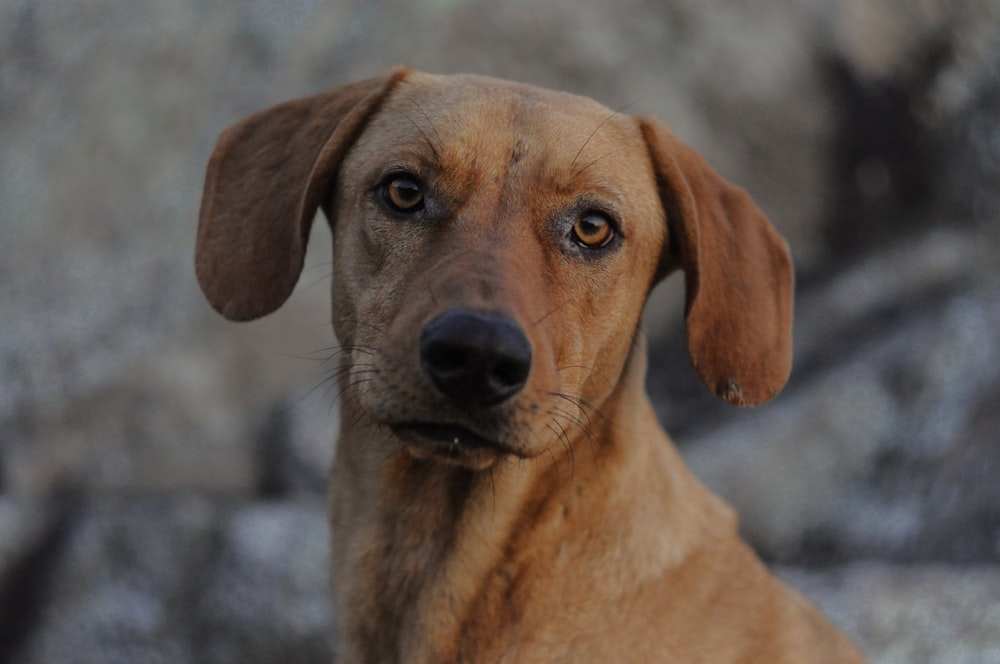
447, 358
511, 372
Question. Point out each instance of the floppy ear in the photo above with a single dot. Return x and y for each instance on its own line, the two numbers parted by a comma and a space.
738, 275
267, 177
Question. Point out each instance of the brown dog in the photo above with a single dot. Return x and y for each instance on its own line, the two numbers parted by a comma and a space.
502, 491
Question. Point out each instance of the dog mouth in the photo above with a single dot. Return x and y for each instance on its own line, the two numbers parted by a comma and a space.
450, 443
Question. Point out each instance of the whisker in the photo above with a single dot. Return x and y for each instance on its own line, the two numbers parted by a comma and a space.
606, 154
359, 370
597, 411
315, 283
563, 437
326, 380
350, 348
344, 392
355, 321
576, 403
335, 373
555, 411
333, 381
579, 403
597, 128
324, 355
555, 464
562, 430
310, 268
423, 134
431, 123
588, 434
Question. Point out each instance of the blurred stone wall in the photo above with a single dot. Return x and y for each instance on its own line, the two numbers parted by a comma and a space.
162, 471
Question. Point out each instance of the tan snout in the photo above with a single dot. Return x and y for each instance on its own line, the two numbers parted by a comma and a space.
465, 372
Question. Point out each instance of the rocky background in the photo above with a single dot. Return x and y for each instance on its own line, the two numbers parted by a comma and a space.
162, 471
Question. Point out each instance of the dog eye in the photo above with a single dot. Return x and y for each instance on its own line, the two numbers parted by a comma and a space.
403, 194
593, 231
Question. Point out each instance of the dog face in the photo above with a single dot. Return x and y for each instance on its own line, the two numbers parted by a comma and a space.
492, 241
499, 215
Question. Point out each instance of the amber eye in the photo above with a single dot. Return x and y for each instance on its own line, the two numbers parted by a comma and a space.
593, 231
403, 194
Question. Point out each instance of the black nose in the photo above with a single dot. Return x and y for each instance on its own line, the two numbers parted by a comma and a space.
475, 358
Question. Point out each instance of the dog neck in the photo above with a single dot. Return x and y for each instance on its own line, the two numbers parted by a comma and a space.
435, 561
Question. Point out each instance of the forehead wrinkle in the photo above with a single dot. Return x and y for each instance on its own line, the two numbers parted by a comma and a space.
512, 136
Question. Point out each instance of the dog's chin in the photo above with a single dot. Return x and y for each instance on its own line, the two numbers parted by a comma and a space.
451, 444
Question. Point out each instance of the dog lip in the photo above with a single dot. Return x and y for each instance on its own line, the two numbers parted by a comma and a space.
444, 434
450, 443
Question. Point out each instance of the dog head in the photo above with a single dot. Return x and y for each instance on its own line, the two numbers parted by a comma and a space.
494, 244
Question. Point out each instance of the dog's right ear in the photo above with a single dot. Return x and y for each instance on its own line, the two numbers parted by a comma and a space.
265, 180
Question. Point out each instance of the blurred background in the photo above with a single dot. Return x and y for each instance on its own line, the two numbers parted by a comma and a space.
162, 471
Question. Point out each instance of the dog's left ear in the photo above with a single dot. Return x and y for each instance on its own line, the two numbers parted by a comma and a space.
738, 275
265, 181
